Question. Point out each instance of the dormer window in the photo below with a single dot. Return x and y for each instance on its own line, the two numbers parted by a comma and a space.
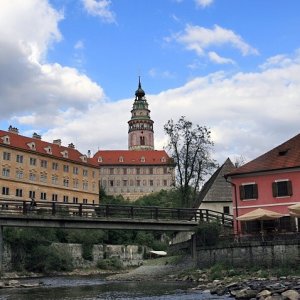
143, 159
48, 150
6, 139
65, 154
83, 158
31, 146
100, 159
121, 159
163, 159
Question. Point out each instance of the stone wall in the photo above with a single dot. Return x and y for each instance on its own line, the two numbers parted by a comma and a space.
260, 254
130, 255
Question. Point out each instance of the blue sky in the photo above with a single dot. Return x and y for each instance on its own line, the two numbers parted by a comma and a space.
69, 69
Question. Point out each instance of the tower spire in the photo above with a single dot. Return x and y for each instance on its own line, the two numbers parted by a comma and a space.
140, 132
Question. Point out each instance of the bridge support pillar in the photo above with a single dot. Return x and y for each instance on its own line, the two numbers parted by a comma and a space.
194, 246
1, 250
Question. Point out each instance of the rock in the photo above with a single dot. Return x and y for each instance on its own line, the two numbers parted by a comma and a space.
291, 295
14, 283
263, 293
2, 284
245, 294
274, 297
220, 290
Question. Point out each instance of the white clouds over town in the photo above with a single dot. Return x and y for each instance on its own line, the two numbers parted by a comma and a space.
248, 111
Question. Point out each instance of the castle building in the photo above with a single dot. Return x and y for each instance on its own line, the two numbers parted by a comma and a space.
140, 170
33, 168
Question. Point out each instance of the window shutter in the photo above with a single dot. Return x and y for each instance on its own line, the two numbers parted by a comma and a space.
255, 191
289, 188
242, 192
274, 189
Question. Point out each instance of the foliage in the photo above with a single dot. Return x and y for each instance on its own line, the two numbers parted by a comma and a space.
191, 148
208, 233
113, 263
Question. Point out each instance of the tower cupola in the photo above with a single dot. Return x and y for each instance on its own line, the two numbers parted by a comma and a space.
140, 132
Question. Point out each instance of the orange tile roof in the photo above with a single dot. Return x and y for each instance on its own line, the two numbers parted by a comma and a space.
284, 156
132, 157
21, 142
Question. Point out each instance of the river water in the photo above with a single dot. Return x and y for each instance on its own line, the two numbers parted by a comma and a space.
95, 288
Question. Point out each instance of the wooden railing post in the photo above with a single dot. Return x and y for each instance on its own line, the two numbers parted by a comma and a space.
107, 210
24, 208
207, 215
80, 210
131, 212
156, 213
53, 209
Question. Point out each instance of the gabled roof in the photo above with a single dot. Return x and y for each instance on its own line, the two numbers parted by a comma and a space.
44, 148
132, 157
216, 189
284, 156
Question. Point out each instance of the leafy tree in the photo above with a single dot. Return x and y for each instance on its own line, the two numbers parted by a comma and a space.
190, 148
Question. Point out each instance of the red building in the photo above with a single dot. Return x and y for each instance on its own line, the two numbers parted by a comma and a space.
271, 181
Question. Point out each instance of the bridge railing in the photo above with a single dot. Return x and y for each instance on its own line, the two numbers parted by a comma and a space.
53, 208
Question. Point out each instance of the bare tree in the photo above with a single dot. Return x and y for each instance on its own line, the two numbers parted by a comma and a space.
190, 147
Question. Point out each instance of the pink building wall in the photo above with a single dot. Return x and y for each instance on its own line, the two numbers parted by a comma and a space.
265, 196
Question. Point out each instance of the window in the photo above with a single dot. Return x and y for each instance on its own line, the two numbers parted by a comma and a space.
5, 190
75, 199
248, 191
43, 196
151, 171
43, 177
138, 171
226, 210
282, 188
66, 199
6, 172
54, 166
125, 171
124, 182
85, 185
19, 158
32, 161
66, 182
32, 194
85, 201
111, 182
138, 182
66, 168
19, 174
6, 155
111, 171
54, 179
75, 170
165, 170
32, 176
165, 182
54, 197
19, 192
44, 163
151, 182
75, 183
85, 172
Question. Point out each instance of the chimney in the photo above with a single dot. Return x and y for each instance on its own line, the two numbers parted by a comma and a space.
13, 129
36, 136
71, 145
57, 142
89, 154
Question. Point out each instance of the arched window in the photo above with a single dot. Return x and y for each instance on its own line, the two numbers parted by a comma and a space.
142, 140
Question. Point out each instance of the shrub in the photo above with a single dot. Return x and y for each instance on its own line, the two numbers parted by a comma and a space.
113, 263
208, 233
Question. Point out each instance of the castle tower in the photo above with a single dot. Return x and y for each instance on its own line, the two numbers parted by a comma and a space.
140, 132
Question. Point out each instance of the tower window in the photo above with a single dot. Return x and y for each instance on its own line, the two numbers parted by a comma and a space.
142, 140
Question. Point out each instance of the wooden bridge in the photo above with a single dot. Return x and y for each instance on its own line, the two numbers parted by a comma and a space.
16, 213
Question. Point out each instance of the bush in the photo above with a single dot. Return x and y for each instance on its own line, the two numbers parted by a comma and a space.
208, 233
113, 263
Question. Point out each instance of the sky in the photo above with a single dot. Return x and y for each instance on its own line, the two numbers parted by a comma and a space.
69, 70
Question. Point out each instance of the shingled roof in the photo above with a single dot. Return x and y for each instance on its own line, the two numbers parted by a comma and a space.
132, 157
216, 189
284, 156
37, 146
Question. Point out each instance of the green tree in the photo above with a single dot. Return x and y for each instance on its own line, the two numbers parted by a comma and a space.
191, 148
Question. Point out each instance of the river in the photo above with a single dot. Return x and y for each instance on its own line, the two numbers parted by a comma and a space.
92, 288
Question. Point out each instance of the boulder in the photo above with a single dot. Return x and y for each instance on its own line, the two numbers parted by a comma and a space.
290, 295
245, 293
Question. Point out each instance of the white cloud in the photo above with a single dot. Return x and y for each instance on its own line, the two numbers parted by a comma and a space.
100, 8
214, 57
28, 84
200, 39
204, 3
79, 45
155, 73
